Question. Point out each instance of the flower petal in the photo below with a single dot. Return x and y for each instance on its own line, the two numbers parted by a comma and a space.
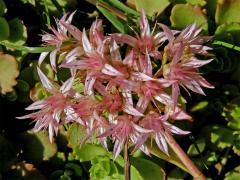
86, 44
124, 38
45, 81
42, 56
144, 25
128, 108
110, 70
37, 105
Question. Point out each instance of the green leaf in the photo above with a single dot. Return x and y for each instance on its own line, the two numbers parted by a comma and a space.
172, 158
8, 72
152, 6
89, 151
37, 147
23, 85
221, 136
233, 175
197, 2
227, 31
234, 123
75, 134
199, 106
147, 169
4, 29
183, 15
227, 11
18, 32
77, 170
112, 18
176, 174
3, 8
201, 144
119, 5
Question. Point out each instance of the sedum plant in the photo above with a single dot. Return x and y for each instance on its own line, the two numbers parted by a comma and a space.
131, 84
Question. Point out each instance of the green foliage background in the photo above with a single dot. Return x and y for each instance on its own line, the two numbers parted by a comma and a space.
215, 141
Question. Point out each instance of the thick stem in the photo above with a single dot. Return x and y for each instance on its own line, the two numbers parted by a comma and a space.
193, 170
127, 162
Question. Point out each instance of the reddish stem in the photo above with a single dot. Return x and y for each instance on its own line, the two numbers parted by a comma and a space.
193, 170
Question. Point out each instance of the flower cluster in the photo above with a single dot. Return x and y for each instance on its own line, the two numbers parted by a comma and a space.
127, 95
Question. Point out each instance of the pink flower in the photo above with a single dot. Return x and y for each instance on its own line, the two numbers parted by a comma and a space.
183, 65
146, 41
51, 109
121, 131
157, 124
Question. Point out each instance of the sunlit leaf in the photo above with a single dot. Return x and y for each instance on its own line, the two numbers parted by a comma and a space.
197, 2
172, 158
228, 31
152, 6
8, 72
233, 175
183, 15
147, 169
112, 18
227, 11
199, 106
89, 151
221, 136
75, 134
201, 144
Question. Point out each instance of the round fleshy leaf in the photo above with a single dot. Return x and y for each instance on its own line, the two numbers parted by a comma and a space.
197, 2
18, 32
4, 29
227, 11
37, 146
183, 15
227, 30
3, 8
8, 72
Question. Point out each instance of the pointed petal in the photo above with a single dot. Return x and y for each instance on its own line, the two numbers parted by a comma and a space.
114, 50
144, 26
161, 142
37, 105
176, 130
53, 56
124, 38
167, 32
50, 132
197, 63
128, 108
43, 55
74, 31
45, 81
127, 96
142, 104
164, 98
118, 146
110, 70
89, 82
128, 60
86, 44
139, 76
67, 85
140, 129
148, 68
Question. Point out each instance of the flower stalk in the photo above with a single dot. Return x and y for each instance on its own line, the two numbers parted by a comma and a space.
127, 172
193, 170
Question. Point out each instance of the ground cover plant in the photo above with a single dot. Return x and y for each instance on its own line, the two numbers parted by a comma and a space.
114, 89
